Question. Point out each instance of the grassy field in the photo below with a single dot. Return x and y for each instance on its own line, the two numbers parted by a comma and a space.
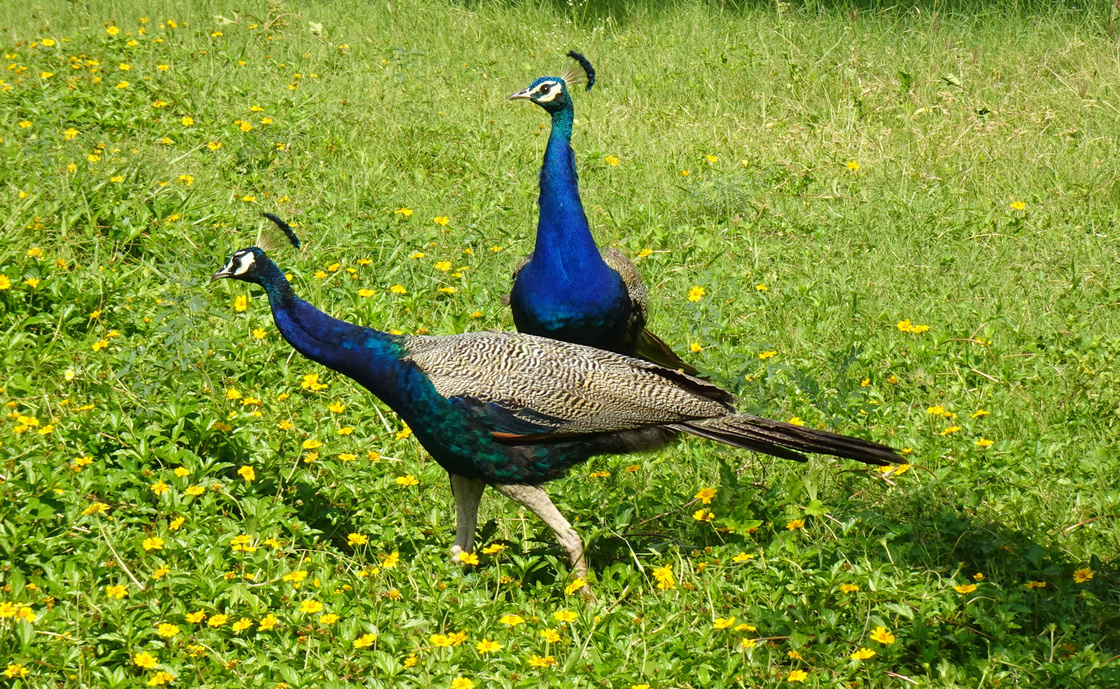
904, 222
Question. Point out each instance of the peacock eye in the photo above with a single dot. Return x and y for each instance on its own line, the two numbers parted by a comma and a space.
545, 89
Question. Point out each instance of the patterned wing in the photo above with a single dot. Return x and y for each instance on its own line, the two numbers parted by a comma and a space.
635, 287
569, 388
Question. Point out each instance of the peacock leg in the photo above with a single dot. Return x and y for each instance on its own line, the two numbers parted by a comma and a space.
536, 500
468, 494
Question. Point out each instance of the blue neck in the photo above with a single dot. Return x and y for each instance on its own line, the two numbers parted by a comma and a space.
369, 356
564, 242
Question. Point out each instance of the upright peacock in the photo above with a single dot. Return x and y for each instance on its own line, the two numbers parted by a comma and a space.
568, 289
512, 410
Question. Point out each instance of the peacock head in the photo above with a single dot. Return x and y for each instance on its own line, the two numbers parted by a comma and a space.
252, 264
551, 93
246, 265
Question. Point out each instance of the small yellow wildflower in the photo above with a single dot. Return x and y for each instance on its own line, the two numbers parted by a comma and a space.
883, 636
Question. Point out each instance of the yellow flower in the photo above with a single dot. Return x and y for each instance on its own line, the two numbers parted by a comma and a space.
748, 643
145, 660
267, 622
195, 617
1018, 206
407, 480
984, 443
853, 165
980, 413
96, 508
113, 31
950, 430
312, 444
611, 160
467, 558
6, 283
446, 290
329, 618
259, 333
99, 345
246, 472
550, 635
406, 212
695, 347
703, 515
881, 635
357, 539
1082, 575
167, 630
907, 327
462, 683
365, 640
122, 84
722, 622
176, 523
848, 588
511, 620
116, 591
685, 173
797, 676
159, 488
965, 588
242, 544
539, 662
153, 543
696, 293
161, 678
216, 621
742, 557
310, 606
576, 584
566, 616
795, 524
705, 495
442, 265
862, 654
1035, 584
365, 292
664, 577
214, 145
767, 354
485, 646
441, 220
195, 491
391, 560
187, 121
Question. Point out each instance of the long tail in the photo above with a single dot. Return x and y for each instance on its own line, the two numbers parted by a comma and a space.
788, 441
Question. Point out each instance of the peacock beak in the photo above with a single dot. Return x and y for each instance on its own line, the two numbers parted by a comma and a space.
523, 94
225, 272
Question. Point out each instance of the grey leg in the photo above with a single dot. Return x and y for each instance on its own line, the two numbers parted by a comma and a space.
468, 494
536, 500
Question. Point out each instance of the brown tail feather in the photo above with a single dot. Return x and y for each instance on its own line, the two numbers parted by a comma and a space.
788, 440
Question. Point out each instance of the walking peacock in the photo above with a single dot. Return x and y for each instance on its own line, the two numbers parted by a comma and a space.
512, 410
568, 289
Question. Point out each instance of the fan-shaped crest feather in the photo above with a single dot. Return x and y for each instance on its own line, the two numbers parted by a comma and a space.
584, 73
267, 238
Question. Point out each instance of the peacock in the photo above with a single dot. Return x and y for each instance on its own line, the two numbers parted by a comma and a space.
568, 289
513, 410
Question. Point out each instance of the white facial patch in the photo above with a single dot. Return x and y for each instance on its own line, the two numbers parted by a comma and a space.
546, 91
241, 263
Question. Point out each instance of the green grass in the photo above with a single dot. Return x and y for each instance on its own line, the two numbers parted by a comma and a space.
951, 116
